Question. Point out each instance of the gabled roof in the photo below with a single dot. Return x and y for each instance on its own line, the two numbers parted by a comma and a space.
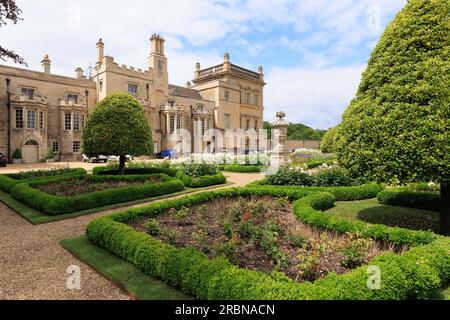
184, 92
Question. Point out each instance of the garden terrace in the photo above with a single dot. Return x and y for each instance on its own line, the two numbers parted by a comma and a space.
65, 195
216, 278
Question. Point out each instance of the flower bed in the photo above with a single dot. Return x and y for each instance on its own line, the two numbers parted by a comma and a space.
8, 181
138, 187
193, 271
260, 233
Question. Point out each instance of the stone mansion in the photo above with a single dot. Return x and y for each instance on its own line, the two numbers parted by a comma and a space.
41, 111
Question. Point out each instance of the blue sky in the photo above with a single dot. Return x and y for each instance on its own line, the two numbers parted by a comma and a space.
312, 51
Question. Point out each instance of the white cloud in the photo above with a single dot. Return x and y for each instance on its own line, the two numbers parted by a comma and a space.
316, 97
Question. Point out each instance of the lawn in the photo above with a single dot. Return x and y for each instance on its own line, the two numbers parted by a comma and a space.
122, 273
372, 212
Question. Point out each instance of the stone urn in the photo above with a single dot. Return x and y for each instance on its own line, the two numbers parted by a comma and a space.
280, 154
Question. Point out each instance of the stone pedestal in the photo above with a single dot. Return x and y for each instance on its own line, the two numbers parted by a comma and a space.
280, 154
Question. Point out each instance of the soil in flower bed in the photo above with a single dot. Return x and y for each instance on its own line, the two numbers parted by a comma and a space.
75, 187
261, 233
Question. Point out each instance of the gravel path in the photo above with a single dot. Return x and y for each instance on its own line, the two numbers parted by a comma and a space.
33, 264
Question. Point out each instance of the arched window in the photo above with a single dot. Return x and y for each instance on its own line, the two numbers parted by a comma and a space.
31, 143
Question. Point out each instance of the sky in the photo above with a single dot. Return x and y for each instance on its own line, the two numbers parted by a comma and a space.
313, 51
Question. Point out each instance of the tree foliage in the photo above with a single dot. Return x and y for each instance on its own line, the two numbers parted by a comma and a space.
117, 126
298, 131
328, 141
9, 11
398, 125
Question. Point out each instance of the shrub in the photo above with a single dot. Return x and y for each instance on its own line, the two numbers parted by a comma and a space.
57, 205
410, 199
17, 154
202, 181
135, 171
288, 177
319, 200
329, 139
196, 170
50, 154
333, 177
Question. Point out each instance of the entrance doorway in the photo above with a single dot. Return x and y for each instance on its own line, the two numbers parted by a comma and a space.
30, 152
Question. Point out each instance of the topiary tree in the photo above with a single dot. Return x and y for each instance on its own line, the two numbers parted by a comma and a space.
398, 126
117, 126
328, 140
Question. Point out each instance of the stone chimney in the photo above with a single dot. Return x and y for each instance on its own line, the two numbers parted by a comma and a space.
100, 50
157, 44
80, 73
226, 61
261, 73
46, 64
197, 70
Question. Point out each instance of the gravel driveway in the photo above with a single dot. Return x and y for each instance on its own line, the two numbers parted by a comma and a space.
33, 264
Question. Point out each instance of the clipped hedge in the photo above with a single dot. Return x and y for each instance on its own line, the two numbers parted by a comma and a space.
135, 171
241, 168
414, 274
411, 199
203, 181
57, 205
8, 181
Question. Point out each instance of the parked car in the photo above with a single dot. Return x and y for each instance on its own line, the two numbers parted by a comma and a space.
95, 159
3, 160
169, 153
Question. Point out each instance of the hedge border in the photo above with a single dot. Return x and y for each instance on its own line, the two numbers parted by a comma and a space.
203, 181
414, 274
58, 205
7, 183
135, 171
411, 199
242, 168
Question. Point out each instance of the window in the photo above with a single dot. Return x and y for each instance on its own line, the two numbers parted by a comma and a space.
172, 124
256, 100
248, 98
83, 120
19, 118
227, 121
132, 88
76, 146
73, 98
247, 124
68, 121
227, 95
100, 86
29, 92
256, 125
178, 124
202, 127
76, 121
41, 120
31, 119
55, 146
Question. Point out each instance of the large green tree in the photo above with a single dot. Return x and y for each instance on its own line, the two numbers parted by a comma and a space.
327, 145
117, 126
398, 126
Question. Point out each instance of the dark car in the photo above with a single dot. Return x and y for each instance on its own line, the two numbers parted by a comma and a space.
2, 160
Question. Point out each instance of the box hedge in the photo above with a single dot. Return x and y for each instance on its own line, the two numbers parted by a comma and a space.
415, 274
57, 205
411, 199
202, 181
241, 168
104, 171
8, 181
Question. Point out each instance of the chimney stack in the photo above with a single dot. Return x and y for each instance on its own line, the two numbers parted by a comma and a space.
80, 73
46, 64
100, 50
226, 61
261, 74
197, 70
157, 44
